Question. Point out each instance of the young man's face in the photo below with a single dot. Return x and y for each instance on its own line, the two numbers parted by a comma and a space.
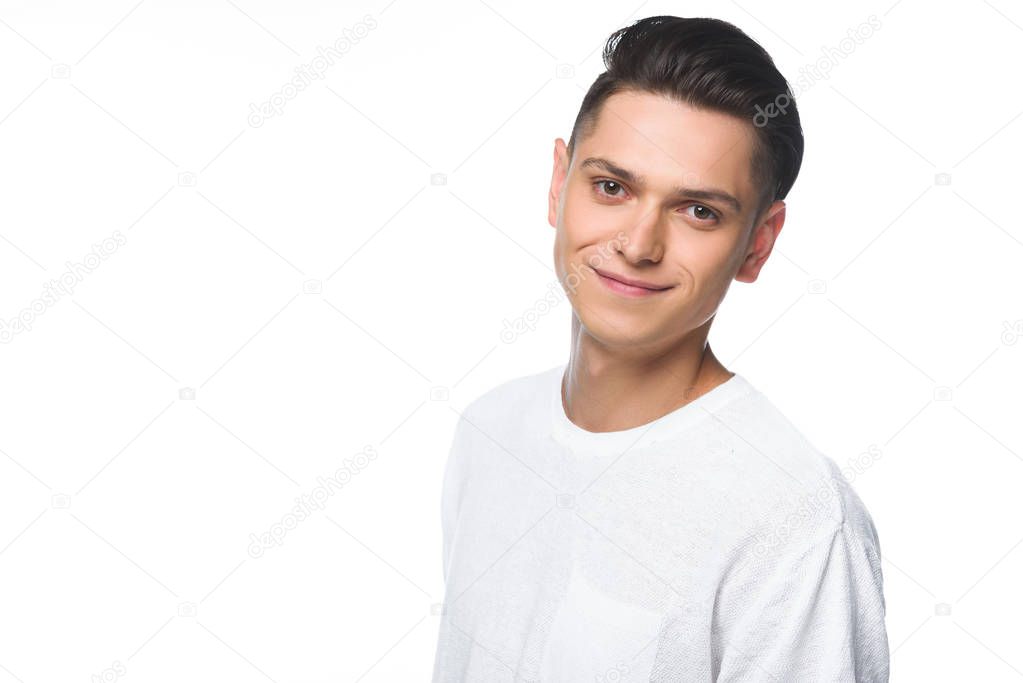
617, 210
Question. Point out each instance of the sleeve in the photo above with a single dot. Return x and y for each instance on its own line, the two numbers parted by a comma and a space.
809, 612
453, 482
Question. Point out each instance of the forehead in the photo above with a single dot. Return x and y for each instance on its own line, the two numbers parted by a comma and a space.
668, 142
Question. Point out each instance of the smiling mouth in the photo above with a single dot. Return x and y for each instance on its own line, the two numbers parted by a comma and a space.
626, 289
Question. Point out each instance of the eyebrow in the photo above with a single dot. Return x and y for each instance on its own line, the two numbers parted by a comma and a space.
706, 193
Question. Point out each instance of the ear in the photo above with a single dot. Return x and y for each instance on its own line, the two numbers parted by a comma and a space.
761, 242
558, 176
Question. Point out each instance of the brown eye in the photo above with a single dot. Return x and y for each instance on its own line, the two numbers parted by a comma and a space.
611, 188
702, 213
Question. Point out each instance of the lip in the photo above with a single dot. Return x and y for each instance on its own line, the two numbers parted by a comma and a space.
629, 286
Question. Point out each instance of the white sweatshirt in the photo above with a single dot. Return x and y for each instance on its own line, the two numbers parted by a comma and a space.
712, 544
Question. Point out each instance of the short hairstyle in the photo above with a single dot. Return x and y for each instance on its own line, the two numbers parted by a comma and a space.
707, 64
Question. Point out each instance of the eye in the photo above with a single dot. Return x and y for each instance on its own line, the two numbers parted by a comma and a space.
612, 188
703, 214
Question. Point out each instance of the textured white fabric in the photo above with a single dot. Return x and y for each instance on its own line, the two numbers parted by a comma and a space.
712, 544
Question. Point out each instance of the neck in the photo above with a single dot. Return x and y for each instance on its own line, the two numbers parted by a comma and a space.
607, 389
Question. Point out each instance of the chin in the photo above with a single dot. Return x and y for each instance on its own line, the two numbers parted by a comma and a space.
617, 328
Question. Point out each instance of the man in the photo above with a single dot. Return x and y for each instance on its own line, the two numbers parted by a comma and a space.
641, 513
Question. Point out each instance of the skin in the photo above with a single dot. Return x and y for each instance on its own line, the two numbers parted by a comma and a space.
635, 360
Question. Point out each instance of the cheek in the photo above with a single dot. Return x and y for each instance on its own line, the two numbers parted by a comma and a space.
584, 220
704, 258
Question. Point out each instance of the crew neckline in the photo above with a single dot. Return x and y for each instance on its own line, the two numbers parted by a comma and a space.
586, 443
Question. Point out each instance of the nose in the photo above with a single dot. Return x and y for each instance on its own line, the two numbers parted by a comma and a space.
644, 239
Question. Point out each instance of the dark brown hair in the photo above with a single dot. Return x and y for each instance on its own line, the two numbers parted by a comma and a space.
707, 64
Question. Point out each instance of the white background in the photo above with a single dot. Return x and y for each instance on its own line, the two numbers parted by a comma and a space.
322, 295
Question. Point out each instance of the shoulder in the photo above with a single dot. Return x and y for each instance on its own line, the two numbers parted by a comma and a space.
499, 419
513, 396
793, 493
